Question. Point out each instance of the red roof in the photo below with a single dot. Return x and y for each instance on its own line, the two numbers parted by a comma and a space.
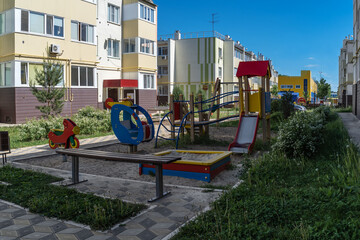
254, 69
115, 83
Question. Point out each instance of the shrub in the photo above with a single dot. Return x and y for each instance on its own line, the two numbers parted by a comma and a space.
89, 120
176, 92
276, 105
287, 104
323, 111
301, 135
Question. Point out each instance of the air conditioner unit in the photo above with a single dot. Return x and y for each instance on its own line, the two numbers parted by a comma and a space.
164, 57
55, 49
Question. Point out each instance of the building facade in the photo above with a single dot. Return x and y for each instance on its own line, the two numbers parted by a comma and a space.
346, 72
193, 62
106, 47
356, 61
299, 86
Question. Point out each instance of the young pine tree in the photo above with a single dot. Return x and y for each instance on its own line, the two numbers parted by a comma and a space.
47, 87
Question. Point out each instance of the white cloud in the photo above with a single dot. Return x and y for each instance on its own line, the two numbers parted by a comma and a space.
311, 58
311, 65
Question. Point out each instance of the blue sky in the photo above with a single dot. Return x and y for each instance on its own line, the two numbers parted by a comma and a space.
307, 35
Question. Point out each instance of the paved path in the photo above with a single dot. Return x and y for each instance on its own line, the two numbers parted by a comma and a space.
160, 221
352, 124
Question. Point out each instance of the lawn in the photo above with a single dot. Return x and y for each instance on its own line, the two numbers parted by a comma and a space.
34, 191
290, 198
17, 142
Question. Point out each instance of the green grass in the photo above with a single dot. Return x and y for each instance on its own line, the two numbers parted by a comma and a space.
33, 190
284, 198
341, 109
16, 142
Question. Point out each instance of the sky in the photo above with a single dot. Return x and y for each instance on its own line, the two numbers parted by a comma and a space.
307, 35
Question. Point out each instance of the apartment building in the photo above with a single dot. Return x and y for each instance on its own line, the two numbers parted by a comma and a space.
298, 85
193, 61
33, 30
346, 72
356, 61
107, 49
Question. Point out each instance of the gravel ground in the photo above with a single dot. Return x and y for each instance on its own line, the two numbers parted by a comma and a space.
131, 171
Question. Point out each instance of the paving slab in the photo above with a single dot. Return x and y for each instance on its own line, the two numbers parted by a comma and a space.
159, 220
352, 125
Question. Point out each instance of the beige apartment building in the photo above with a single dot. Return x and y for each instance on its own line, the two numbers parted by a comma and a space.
106, 48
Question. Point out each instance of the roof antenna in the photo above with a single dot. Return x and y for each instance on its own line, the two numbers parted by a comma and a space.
213, 21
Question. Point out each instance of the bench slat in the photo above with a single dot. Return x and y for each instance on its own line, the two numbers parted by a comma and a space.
112, 156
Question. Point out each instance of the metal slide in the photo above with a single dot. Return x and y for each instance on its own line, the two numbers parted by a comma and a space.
245, 135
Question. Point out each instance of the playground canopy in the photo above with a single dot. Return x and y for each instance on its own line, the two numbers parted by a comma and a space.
253, 69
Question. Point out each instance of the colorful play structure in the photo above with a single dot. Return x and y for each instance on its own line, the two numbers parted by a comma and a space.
205, 170
64, 138
254, 105
181, 115
126, 123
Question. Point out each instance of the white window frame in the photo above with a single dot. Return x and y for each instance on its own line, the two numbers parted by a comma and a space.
87, 77
27, 76
220, 53
151, 46
111, 49
45, 16
163, 70
79, 32
146, 13
4, 80
220, 71
111, 9
235, 71
163, 90
128, 42
148, 81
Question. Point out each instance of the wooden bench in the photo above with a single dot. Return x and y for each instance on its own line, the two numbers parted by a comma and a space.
158, 161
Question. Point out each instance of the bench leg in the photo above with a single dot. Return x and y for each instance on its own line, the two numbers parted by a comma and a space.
75, 169
75, 172
159, 183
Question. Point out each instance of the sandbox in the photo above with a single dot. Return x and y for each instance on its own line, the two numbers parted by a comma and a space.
199, 165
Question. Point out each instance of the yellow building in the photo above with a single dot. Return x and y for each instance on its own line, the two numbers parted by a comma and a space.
298, 85
33, 30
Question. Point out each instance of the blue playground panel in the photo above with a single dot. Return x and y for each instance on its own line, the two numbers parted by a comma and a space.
267, 102
130, 133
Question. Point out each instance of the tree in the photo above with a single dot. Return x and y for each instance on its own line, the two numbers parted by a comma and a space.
306, 96
176, 92
287, 104
274, 90
49, 93
324, 89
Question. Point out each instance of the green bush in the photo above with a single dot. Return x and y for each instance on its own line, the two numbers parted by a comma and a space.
301, 135
323, 111
276, 105
88, 119
287, 105
176, 92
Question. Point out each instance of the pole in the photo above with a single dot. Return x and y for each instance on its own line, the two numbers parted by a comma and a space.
192, 118
172, 116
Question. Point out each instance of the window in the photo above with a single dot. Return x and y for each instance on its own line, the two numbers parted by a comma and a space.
146, 46
33, 67
113, 48
220, 71
82, 76
297, 86
220, 53
147, 13
236, 89
129, 45
42, 23
24, 72
163, 70
5, 74
163, 90
148, 81
287, 86
37, 22
162, 51
82, 32
113, 14
235, 71
237, 54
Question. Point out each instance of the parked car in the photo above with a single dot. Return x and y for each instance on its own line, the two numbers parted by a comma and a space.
299, 108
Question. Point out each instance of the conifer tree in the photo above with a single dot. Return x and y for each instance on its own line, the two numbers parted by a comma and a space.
47, 87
